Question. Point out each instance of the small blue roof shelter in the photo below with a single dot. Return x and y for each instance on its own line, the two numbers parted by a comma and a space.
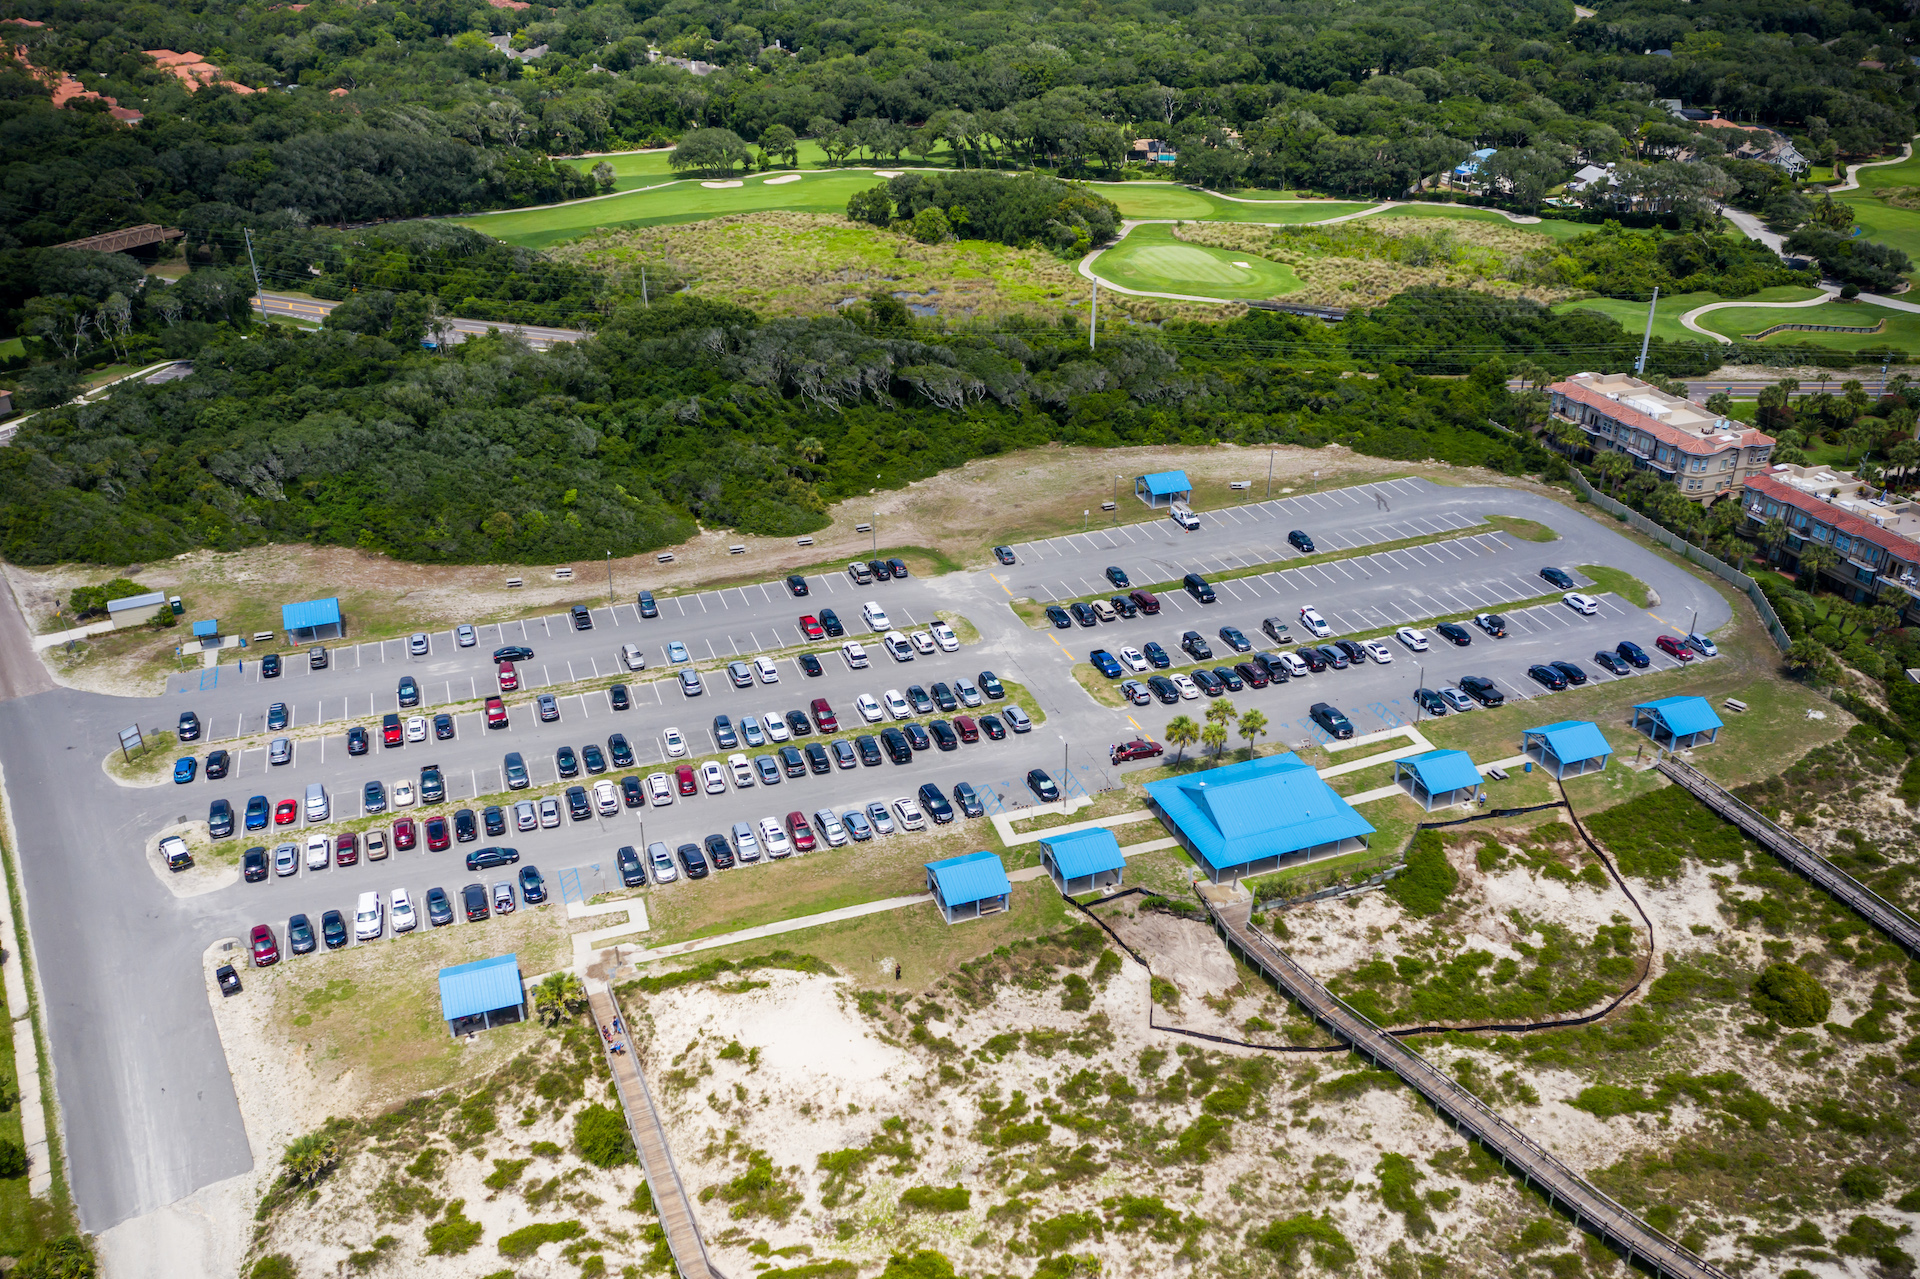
1677, 722
206, 630
309, 618
969, 886
1438, 779
1163, 488
483, 994
1082, 860
1247, 818
1567, 749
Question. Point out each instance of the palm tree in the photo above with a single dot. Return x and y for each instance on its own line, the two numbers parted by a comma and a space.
1806, 654
1253, 725
1613, 468
1182, 732
559, 996
1222, 713
308, 1158
1215, 737
1773, 536
1814, 557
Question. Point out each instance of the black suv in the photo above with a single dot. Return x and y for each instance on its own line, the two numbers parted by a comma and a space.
1300, 542
474, 898
1328, 716
1196, 646
647, 607
409, 692
632, 874
936, 804
895, 742
869, 749
1083, 613
466, 828
578, 806
1118, 577
1198, 588
189, 727
433, 787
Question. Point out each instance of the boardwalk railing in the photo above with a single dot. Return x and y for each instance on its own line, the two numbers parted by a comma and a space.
1641, 1243
656, 1157
1770, 835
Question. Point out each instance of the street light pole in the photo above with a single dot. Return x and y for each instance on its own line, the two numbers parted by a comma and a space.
1086, 519
1419, 682
873, 527
609, 579
1269, 474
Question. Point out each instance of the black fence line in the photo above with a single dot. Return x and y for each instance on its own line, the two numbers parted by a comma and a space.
1491, 814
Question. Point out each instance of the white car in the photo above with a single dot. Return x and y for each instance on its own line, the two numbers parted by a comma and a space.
1416, 640
874, 616
897, 646
664, 871
777, 729
896, 704
868, 708
606, 798
1701, 644
416, 728
832, 829
635, 660
856, 655
401, 796
882, 820
1296, 665
464, 635
943, 636
1458, 700
968, 692
1311, 619
742, 769
319, 852
549, 813
286, 859
404, 920
911, 818
1188, 689
368, 918
173, 850
921, 641
1585, 605
525, 815
418, 644
676, 743
766, 670
1134, 660
1377, 651
660, 790
713, 777
773, 839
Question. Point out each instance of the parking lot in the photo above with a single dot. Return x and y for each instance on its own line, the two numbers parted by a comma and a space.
150, 1114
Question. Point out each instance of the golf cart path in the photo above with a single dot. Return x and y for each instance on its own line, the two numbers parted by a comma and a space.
1828, 292
1853, 172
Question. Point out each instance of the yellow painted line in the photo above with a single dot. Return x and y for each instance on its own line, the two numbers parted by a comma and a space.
997, 582
1136, 724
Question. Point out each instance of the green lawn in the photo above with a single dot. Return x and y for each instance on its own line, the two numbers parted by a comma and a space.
686, 201
1877, 220
1151, 259
1667, 312
645, 168
1902, 329
1552, 228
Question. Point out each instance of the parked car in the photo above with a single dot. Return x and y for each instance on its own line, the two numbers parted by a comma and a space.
1329, 717
1695, 640
1574, 675
1042, 785
1316, 625
1455, 634
263, 946
1558, 577
1233, 639
1430, 702
1635, 655
1414, 639
1482, 690
1547, 677
1004, 554
1674, 647
1492, 623
1585, 605
1138, 748
220, 819
1612, 663
632, 873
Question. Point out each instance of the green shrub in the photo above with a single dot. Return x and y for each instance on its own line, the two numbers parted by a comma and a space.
275, 1266
453, 1234
67, 1257
1200, 1139
527, 1240
1650, 837
1057, 1234
709, 969
1863, 1184
1604, 1101
1790, 995
1329, 1248
937, 1198
924, 1264
13, 1159
1398, 1176
1423, 887
760, 1191
601, 1135
1165, 993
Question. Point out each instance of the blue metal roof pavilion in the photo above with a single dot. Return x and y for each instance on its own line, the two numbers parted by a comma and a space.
1247, 817
305, 620
1162, 488
969, 886
1568, 748
206, 630
1677, 722
1436, 778
1082, 860
482, 994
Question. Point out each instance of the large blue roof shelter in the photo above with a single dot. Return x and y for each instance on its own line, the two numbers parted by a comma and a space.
969, 886
483, 994
1568, 748
306, 620
1163, 488
1247, 818
1437, 779
1677, 722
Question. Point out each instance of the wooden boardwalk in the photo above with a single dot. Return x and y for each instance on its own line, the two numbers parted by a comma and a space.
1875, 909
1641, 1243
650, 1139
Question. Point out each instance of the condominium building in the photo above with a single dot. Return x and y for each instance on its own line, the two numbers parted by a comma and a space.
1706, 455
1875, 537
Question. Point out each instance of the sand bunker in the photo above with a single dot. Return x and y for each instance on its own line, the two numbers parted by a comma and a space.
785, 177
734, 183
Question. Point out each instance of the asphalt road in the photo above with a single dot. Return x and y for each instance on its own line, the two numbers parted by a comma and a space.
537, 336
149, 1111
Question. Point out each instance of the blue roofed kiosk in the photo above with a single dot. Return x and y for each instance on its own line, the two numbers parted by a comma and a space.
1163, 488
1677, 723
311, 620
1567, 749
1438, 779
1254, 816
969, 886
1082, 861
482, 995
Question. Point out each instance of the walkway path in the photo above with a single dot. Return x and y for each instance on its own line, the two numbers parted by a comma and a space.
1467, 1113
650, 1139
1853, 171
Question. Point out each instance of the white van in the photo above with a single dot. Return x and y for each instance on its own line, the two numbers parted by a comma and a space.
317, 806
369, 920
875, 616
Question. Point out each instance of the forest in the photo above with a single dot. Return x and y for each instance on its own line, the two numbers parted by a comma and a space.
690, 410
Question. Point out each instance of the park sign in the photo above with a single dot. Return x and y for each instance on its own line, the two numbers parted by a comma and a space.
130, 740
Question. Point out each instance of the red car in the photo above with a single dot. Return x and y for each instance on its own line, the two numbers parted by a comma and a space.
824, 717
439, 837
803, 841
811, 628
265, 949
1674, 648
1147, 601
496, 713
968, 730
392, 733
285, 813
346, 849
1139, 748
683, 775
404, 834
509, 678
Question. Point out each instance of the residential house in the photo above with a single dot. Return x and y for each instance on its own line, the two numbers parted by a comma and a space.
1588, 175
1762, 144
1467, 172
1876, 536
1152, 151
1706, 455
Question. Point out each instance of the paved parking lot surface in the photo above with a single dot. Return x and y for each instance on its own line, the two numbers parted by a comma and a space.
150, 1114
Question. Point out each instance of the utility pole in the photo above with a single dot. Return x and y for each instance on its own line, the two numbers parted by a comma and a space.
609, 579
248, 233
1269, 475
644, 304
873, 527
1093, 316
1116, 498
1640, 365
1419, 682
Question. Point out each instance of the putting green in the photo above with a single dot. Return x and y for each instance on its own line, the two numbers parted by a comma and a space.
685, 201
1151, 260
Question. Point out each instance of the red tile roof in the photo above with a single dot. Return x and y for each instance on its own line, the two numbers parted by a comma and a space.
1845, 521
1685, 441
